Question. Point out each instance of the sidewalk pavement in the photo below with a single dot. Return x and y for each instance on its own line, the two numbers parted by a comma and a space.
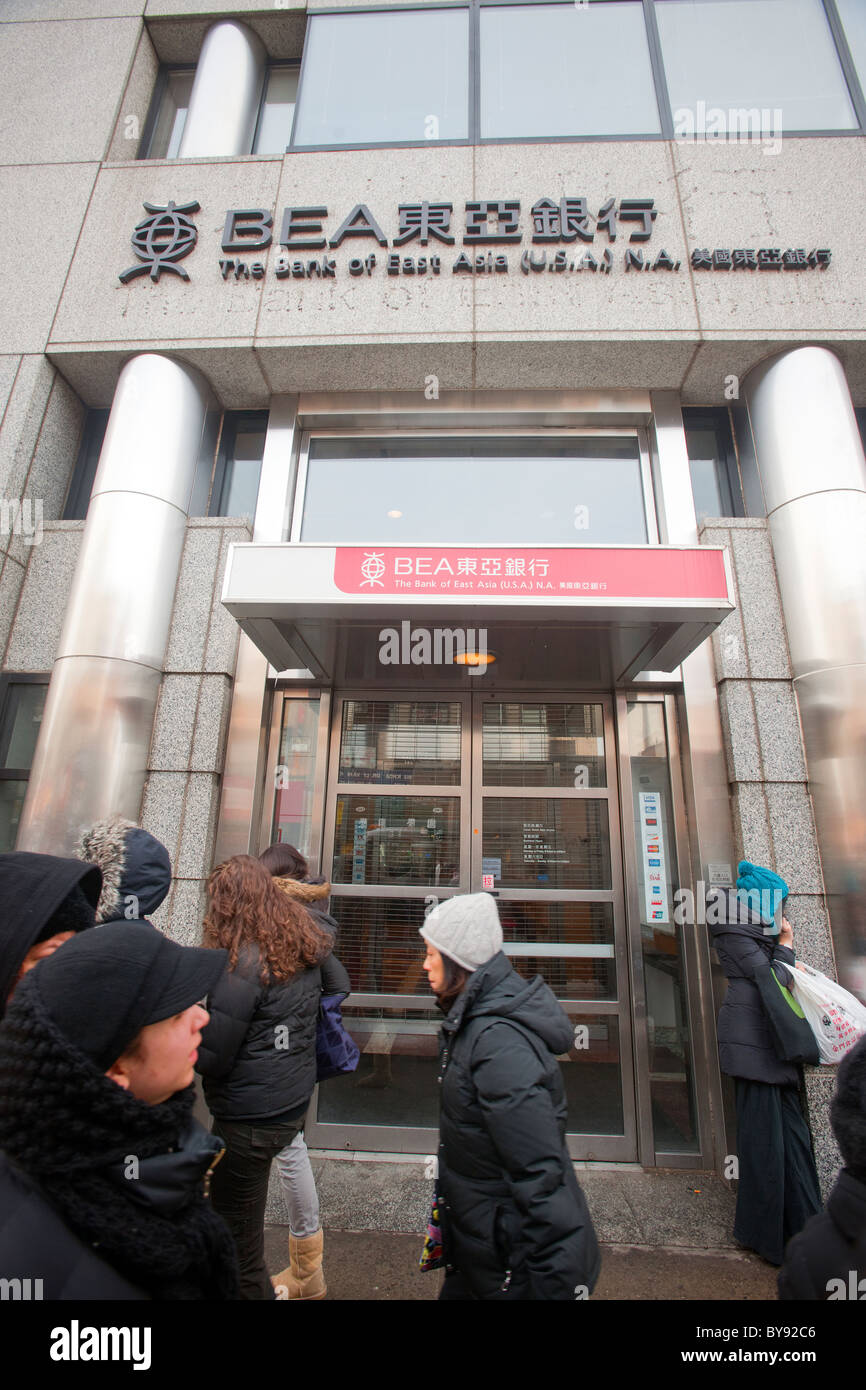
383, 1266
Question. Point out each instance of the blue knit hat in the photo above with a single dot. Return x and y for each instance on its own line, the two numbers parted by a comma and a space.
762, 891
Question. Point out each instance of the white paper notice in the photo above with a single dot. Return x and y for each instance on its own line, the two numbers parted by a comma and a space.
655, 875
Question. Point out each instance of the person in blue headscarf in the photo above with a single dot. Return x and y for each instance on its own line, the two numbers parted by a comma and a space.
778, 1185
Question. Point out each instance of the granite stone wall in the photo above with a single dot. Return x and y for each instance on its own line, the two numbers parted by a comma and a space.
769, 785
41, 422
181, 795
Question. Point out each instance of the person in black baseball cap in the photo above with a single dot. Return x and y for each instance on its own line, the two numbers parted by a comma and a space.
102, 1167
43, 902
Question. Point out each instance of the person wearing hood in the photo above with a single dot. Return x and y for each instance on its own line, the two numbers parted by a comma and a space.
102, 1167
303, 1277
136, 869
258, 1053
291, 873
514, 1221
778, 1187
827, 1260
44, 901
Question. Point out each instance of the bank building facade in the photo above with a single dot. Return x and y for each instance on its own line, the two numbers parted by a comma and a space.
432, 436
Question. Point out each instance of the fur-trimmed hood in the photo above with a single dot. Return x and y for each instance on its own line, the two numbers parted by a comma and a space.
311, 891
314, 894
135, 866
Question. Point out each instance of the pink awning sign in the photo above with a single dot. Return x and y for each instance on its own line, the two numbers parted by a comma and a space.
597, 573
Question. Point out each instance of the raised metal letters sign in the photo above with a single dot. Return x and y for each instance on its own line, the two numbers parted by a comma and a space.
560, 236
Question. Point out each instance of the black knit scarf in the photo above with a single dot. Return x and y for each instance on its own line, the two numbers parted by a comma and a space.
64, 1123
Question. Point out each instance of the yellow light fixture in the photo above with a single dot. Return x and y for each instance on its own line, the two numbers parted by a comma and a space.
474, 659
395, 515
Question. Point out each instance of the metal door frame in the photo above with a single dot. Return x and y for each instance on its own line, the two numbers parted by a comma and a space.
379, 1138
695, 953
616, 1147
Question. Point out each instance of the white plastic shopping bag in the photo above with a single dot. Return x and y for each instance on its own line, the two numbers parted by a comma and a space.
837, 1019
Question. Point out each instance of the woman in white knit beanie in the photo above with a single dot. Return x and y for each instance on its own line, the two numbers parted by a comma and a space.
514, 1221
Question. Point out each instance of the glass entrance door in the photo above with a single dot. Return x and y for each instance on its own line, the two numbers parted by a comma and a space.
433, 797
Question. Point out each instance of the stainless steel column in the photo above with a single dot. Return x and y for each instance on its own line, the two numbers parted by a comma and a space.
91, 757
813, 475
224, 104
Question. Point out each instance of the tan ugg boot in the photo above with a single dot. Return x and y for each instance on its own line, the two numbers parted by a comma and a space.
304, 1277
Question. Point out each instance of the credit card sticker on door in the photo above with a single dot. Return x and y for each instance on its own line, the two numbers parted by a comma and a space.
359, 850
653, 857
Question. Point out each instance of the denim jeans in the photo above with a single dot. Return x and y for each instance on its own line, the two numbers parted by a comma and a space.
239, 1192
296, 1175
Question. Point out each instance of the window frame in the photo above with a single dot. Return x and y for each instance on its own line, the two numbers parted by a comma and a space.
717, 419
638, 432
232, 423
9, 679
295, 66
837, 35
855, 87
214, 459
153, 111
80, 490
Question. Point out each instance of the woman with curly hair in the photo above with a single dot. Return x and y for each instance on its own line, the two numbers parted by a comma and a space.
303, 1278
258, 1053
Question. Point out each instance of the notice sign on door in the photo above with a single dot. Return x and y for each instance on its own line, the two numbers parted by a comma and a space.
655, 875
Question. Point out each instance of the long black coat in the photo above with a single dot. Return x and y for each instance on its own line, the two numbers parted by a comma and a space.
258, 1053
746, 1047
830, 1246
36, 1243
515, 1223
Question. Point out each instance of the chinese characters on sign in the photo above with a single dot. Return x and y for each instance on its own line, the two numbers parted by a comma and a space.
540, 844
557, 235
590, 573
765, 258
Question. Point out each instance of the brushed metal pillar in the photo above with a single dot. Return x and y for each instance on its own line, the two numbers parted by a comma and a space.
91, 757
809, 457
225, 98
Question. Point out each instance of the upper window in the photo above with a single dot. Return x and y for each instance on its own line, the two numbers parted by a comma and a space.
554, 70
769, 62
22, 701
567, 491
165, 124
274, 130
393, 75
712, 463
227, 474
853, 16
545, 71
168, 118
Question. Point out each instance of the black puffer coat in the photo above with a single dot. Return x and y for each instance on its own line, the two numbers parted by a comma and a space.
746, 1047
36, 1243
252, 1069
831, 1246
515, 1223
